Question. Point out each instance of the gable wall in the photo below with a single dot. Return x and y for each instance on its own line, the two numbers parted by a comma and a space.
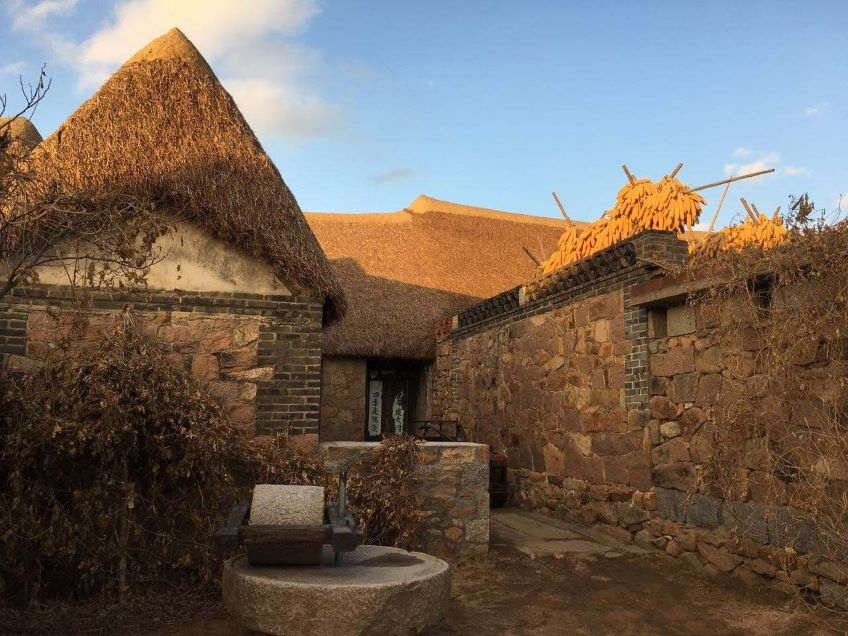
190, 259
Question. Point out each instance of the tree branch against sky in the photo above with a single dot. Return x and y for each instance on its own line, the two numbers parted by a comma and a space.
100, 238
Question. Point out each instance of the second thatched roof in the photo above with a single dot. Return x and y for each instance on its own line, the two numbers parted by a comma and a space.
20, 129
404, 271
164, 128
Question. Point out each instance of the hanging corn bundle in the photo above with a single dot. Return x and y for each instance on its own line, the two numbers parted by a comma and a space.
764, 233
640, 205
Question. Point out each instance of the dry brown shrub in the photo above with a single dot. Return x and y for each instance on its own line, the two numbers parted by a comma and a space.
779, 434
116, 468
383, 493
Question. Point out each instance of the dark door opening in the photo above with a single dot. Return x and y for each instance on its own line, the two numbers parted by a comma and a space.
392, 395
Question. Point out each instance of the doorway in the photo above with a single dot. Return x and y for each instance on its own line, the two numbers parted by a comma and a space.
392, 395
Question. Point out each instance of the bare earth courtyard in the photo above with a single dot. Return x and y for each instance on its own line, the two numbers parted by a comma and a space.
543, 576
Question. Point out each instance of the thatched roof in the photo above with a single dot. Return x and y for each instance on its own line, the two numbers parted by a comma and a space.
403, 271
21, 129
163, 127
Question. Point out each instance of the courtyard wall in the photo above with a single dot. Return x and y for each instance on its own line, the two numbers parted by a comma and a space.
599, 383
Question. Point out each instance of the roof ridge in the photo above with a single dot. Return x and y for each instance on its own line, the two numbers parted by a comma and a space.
173, 45
424, 204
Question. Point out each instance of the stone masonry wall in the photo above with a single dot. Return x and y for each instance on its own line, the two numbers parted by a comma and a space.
453, 493
604, 407
549, 391
697, 368
260, 355
559, 382
343, 399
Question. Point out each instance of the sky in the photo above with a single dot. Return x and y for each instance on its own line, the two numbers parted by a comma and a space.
365, 105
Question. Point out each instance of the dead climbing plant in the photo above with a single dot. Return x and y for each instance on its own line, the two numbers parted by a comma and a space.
779, 432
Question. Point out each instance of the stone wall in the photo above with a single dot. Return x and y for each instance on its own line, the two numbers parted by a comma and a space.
555, 376
548, 390
453, 493
699, 366
259, 354
602, 393
343, 399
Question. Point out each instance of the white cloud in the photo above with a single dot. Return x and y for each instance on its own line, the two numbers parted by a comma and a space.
248, 44
13, 68
815, 110
29, 16
765, 161
283, 110
741, 151
794, 171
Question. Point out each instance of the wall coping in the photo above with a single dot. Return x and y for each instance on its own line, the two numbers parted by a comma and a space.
370, 445
647, 249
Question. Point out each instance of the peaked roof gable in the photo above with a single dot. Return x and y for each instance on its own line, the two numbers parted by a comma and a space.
163, 127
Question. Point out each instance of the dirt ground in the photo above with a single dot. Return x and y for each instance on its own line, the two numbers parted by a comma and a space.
534, 581
509, 593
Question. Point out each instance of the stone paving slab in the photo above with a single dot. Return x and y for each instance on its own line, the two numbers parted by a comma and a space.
539, 536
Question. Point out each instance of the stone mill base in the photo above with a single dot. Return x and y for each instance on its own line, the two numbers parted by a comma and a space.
376, 590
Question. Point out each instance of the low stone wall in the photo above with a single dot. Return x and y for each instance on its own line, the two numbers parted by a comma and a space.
453, 493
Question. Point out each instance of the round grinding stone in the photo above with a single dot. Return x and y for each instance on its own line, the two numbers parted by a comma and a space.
375, 591
287, 505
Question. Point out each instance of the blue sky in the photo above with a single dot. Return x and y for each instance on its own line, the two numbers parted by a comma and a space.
365, 105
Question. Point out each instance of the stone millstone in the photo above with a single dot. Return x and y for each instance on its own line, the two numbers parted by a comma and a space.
287, 505
377, 590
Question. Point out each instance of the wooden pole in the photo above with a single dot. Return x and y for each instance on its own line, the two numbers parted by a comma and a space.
676, 170
731, 180
756, 211
774, 216
562, 209
630, 177
718, 209
748, 209
542, 250
530, 254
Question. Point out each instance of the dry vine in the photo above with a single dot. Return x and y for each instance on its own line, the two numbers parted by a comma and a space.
779, 433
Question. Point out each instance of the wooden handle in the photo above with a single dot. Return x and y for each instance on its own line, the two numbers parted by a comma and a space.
530, 254
718, 209
748, 209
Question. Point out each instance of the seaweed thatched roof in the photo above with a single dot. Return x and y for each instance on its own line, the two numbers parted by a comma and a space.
21, 129
403, 271
164, 128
